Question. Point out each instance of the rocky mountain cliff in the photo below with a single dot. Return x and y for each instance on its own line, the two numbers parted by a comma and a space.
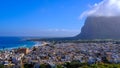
100, 28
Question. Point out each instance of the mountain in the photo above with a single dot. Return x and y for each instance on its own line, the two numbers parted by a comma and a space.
100, 28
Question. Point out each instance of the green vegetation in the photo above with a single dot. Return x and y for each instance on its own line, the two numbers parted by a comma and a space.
85, 65
73, 64
42, 66
28, 66
1, 66
59, 66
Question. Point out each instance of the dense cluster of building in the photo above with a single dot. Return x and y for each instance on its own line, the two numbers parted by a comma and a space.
62, 52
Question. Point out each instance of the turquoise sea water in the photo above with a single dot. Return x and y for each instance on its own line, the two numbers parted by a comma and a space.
15, 42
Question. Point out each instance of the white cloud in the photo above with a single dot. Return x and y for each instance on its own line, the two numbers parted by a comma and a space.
62, 30
103, 8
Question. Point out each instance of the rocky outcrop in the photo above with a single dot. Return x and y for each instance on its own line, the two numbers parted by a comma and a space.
100, 28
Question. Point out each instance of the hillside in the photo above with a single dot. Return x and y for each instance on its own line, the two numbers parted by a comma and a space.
100, 28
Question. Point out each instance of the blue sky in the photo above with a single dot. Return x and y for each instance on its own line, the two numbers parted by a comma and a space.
48, 18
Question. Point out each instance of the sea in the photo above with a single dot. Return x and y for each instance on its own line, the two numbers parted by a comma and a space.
15, 42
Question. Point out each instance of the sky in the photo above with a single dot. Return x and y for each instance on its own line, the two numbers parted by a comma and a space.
44, 18
106, 8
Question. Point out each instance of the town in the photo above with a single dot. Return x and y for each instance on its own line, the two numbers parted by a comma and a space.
60, 53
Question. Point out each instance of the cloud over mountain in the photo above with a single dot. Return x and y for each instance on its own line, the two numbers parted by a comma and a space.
104, 8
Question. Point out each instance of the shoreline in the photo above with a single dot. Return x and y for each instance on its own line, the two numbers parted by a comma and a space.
19, 46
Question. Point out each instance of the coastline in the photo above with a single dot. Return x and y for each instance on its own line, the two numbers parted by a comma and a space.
20, 46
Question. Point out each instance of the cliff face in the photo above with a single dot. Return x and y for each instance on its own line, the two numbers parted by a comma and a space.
100, 28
